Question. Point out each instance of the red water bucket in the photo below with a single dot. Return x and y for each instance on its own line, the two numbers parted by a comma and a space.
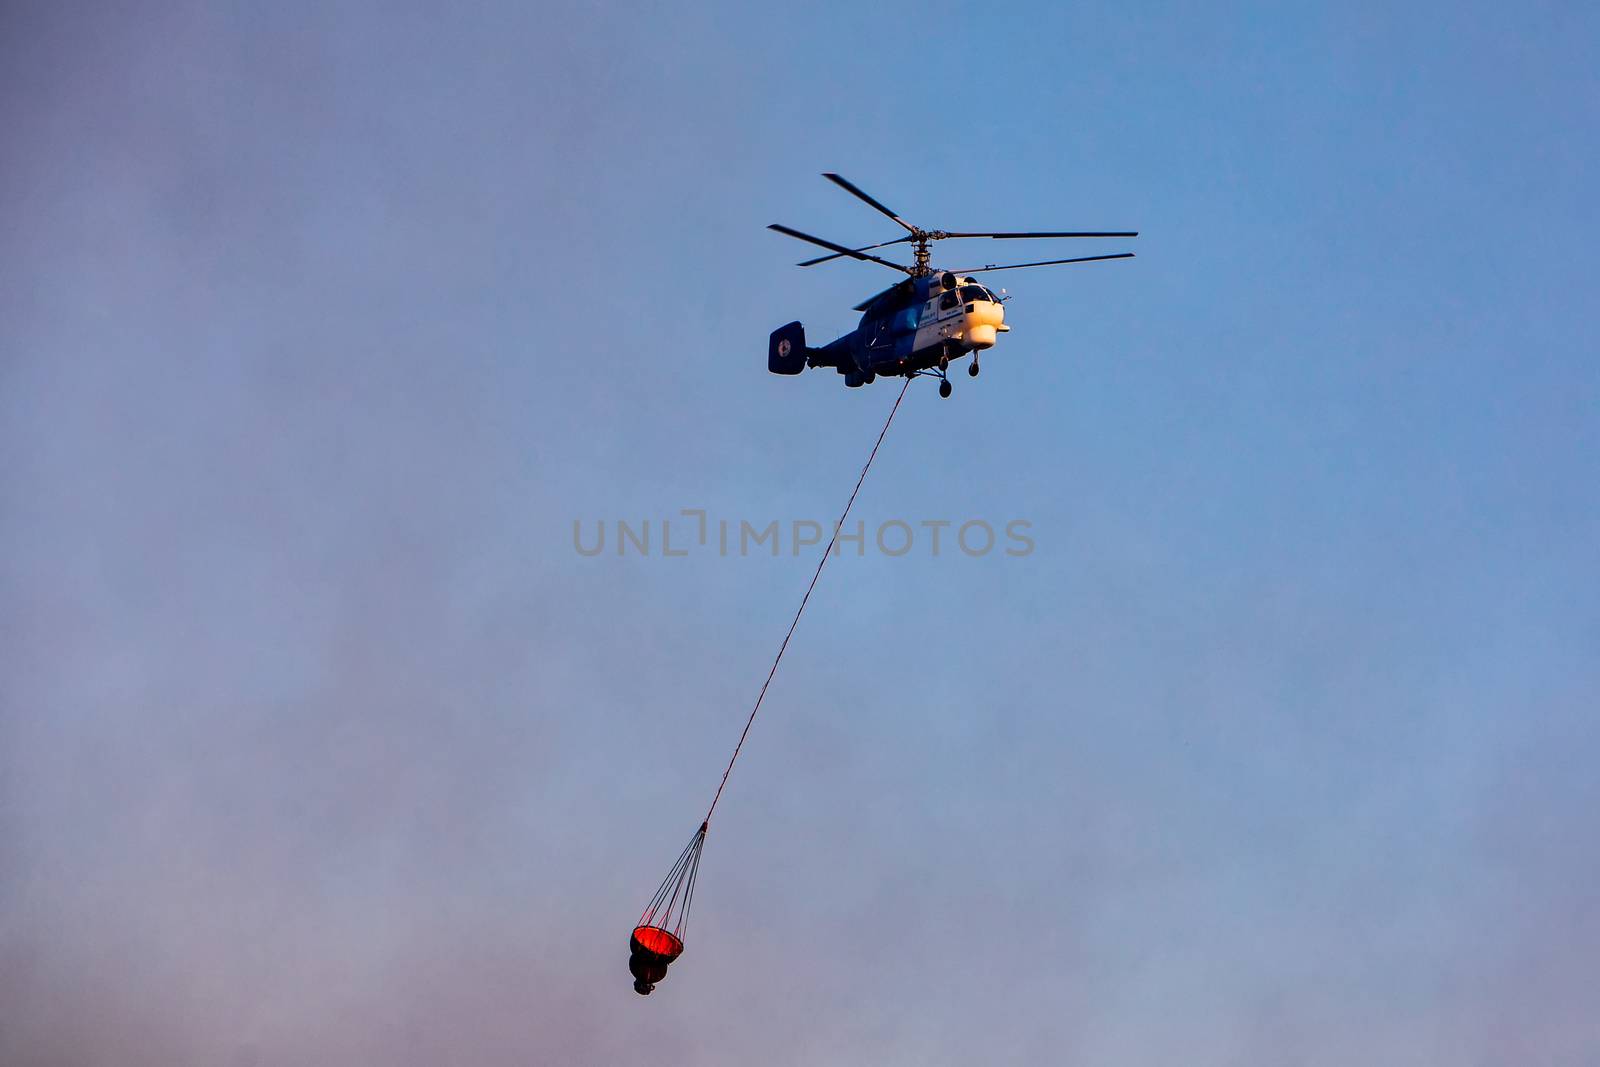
653, 949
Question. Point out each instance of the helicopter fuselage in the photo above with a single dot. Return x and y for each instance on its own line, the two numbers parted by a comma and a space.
918, 325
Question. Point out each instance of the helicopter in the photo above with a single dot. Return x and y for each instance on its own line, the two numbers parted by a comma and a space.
918, 325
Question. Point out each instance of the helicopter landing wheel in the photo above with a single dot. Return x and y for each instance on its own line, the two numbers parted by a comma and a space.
944, 364
944, 389
972, 369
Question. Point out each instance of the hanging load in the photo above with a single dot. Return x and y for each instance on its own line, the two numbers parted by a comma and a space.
653, 948
658, 939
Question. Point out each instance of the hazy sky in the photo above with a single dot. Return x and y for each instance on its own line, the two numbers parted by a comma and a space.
320, 743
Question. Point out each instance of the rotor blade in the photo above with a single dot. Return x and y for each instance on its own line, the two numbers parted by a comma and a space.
835, 255
841, 249
1043, 263
844, 183
1015, 236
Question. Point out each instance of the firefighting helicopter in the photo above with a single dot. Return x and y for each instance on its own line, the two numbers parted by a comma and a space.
916, 326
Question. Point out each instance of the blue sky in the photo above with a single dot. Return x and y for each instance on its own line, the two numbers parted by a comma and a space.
320, 743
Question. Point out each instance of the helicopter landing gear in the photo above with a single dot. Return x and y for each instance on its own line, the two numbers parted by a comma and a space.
940, 371
972, 368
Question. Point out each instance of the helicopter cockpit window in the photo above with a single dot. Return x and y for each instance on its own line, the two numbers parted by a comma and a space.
969, 293
948, 301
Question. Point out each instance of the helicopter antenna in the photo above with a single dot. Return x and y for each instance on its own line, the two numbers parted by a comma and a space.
921, 240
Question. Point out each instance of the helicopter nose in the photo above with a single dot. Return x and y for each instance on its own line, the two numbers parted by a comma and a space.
985, 319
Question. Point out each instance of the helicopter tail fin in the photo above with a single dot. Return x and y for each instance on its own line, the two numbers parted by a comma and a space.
786, 349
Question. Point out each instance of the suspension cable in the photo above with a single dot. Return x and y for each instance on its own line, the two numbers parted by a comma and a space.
823, 562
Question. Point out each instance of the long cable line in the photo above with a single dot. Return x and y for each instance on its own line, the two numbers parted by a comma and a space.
823, 562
